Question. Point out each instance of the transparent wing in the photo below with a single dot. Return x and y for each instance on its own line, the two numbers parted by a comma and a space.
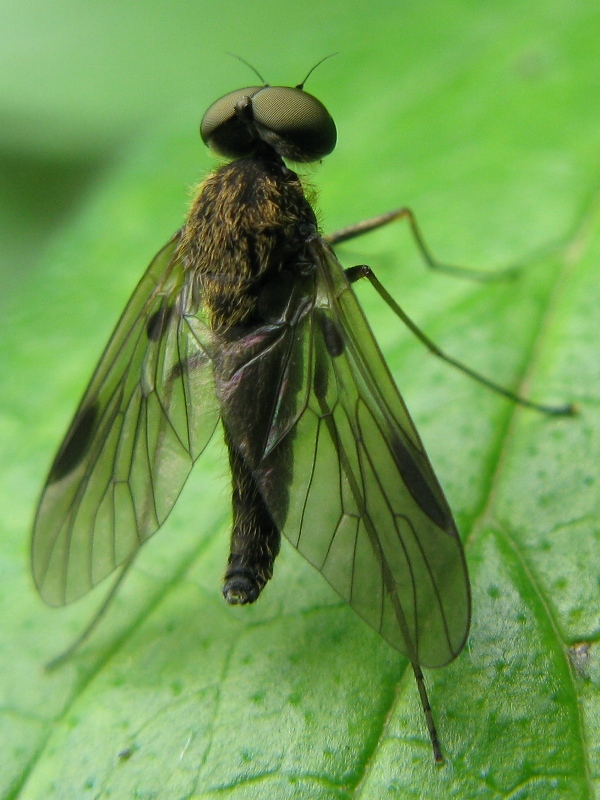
147, 414
361, 501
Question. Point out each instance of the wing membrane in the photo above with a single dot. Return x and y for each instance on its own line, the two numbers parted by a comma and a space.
363, 505
147, 414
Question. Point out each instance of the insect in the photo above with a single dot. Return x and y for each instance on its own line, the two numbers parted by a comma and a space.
247, 320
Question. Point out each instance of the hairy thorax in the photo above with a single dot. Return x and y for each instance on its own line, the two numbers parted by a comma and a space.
250, 221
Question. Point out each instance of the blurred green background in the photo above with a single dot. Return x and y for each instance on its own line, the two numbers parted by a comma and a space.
79, 81
82, 81
484, 117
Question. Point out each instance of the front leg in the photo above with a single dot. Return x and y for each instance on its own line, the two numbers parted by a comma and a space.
399, 214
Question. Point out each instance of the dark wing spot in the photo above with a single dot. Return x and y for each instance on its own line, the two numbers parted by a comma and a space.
158, 322
417, 485
334, 347
75, 445
334, 341
321, 374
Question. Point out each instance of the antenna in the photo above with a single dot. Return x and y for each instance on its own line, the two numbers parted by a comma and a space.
312, 69
254, 70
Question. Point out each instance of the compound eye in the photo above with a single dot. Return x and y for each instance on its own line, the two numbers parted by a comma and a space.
294, 122
221, 128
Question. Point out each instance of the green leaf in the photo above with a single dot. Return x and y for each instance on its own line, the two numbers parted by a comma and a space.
484, 119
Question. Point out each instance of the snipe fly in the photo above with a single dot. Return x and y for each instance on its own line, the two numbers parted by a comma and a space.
247, 320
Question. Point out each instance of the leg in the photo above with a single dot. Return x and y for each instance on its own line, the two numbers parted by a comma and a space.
388, 579
435, 742
362, 271
405, 213
66, 654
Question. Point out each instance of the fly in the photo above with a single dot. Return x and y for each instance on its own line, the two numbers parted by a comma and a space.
247, 320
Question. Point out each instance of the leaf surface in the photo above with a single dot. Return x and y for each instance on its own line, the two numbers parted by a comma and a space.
484, 119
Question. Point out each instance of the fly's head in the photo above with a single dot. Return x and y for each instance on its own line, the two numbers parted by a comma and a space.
283, 120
